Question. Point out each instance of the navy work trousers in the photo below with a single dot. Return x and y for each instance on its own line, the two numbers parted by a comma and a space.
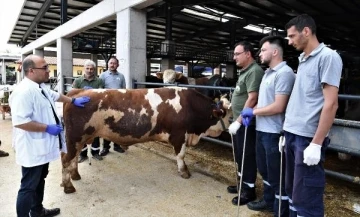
31, 193
250, 170
268, 160
106, 144
304, 184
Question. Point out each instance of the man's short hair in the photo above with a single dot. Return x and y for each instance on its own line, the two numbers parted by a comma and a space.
274, 39
114, 59
247, 47
302, 21
89, 63
27, 64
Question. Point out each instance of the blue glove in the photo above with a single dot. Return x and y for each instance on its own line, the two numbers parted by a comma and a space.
80, 101
246, 121
54, 129
247, 113
87, 87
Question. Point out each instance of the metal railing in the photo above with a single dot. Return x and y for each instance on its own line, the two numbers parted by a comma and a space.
345, 124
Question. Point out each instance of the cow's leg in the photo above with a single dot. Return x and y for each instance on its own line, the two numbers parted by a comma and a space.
66, 171
180, 155
70, 170
74, 164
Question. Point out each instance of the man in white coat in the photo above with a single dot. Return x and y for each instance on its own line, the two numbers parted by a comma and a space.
37, 134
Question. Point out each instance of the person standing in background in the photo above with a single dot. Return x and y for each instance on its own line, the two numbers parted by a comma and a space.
89, 81
112, 80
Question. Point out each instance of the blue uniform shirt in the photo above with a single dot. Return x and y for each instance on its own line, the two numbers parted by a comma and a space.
113, 80
322, 66
277, 81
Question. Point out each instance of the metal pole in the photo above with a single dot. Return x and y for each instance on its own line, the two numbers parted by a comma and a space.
281, 141
242, 170
235, 164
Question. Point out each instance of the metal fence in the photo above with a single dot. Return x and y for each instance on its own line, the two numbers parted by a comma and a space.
344, 134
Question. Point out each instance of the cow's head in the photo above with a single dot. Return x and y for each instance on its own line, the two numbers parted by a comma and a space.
222, 112
169, 76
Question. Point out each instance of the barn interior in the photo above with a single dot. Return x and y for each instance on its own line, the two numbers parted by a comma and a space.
200, 32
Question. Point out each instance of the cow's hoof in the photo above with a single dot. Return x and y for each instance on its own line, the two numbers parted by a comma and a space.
75, 177
69, 190
185, 175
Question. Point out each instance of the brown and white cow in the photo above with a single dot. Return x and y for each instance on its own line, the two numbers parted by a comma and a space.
175, 115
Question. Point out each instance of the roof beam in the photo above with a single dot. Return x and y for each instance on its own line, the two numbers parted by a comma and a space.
37, 19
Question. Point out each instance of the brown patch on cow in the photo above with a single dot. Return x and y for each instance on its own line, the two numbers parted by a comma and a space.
193, 118
89, 130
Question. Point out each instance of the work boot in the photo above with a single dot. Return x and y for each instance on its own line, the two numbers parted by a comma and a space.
118, 149
3, 153
97, 157
260, 205
104, 152
247, 195
46, 213
232, 189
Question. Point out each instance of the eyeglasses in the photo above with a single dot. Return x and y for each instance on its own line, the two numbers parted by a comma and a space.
237, 54
44, 68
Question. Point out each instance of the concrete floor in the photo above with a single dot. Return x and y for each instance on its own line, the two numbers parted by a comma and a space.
136, 183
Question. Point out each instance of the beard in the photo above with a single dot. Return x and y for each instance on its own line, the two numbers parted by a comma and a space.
265, 61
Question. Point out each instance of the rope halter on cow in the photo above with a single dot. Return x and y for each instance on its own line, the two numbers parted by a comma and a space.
219, 112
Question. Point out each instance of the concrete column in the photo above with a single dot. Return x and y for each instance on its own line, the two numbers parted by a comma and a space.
39, 52
64, 63
3, 71
167, 64
189, 66
230, 70
167, 49
131, 44
94, 58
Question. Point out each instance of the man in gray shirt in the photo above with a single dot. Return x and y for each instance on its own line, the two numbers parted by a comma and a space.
309, 117
112, 80
275, 89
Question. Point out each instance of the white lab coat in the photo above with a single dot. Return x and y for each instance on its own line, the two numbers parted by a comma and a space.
29, 104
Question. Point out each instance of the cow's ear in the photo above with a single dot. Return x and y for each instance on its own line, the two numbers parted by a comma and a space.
159, 75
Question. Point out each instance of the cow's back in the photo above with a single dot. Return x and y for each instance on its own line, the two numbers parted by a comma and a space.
131, 116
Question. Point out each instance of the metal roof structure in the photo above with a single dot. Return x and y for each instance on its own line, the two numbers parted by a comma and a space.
202, 28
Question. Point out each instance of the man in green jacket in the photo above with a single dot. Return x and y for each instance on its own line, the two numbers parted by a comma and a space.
89, 81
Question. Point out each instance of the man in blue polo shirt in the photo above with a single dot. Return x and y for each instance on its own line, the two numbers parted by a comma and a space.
275, 89
309, 116
112, 80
